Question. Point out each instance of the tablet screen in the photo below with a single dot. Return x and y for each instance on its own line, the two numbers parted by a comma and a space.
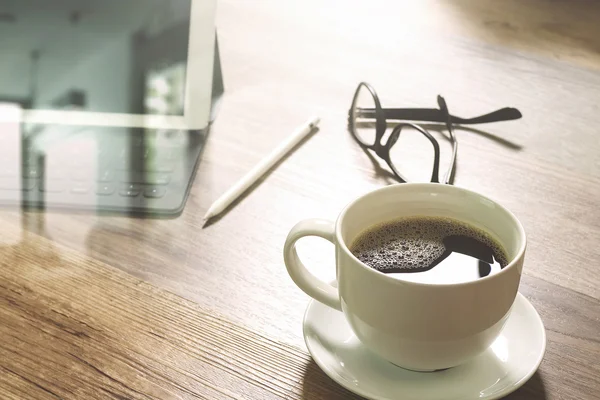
107, 56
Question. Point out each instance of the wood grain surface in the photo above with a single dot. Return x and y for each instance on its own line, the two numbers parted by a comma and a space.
110, 307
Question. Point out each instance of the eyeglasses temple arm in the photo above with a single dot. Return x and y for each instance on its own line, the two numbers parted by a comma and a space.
435, 115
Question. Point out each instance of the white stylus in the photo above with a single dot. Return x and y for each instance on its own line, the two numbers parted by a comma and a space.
259, 169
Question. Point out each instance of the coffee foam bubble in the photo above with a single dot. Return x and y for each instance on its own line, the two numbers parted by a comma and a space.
414, 243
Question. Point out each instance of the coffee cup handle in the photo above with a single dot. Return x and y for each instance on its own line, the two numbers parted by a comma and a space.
311, 285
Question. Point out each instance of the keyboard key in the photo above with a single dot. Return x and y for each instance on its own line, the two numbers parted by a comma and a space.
154, 192
83, 175
80, 188
131, 177
54, 174
153, 152
9, 172
115, 163
105, 175
105, 189
160, 155
16, 183
52, 186
31, 172
129, 193
157, 178
133, 187
130, 190
29, 159
150, 178
163, 166
28, 184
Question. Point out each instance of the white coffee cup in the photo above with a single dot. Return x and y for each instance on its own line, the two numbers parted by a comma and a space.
417, 326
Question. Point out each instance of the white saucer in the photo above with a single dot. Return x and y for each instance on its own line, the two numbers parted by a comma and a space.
511, 360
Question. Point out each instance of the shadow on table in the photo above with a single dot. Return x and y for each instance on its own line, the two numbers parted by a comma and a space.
317, 385
533, 389
380, 172
484, 133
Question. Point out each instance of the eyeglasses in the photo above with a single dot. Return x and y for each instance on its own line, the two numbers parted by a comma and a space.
368, 122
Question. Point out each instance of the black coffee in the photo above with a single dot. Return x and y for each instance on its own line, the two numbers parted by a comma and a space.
430, 250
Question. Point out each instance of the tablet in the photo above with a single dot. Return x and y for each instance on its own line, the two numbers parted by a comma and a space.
105, 104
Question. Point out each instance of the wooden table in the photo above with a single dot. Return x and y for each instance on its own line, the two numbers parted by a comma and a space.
105, 307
